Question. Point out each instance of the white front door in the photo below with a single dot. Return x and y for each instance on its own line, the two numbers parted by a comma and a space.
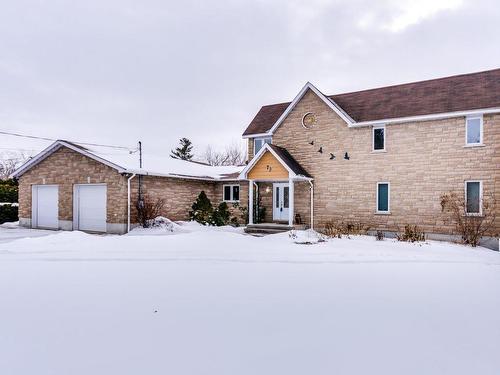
90, 207
281, 202
45, 206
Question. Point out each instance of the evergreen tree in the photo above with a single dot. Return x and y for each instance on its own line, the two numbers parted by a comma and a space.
202, 209
183, 152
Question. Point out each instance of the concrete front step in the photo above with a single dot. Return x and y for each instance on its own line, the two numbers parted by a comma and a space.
270, 228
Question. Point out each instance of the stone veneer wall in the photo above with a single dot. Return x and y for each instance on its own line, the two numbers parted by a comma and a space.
422, 161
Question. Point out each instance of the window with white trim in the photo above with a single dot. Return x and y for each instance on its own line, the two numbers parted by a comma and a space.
378, 138
231, 193
259, 142
473, 197
474, 130
383, 197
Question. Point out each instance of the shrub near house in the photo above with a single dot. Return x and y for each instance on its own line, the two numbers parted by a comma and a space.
8, 201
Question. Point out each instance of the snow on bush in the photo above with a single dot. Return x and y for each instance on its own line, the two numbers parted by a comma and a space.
159, 225
306, 237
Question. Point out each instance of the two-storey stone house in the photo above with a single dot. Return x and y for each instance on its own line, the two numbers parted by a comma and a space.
380, 157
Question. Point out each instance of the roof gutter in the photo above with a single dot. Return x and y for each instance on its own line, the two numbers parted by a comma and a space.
435, 116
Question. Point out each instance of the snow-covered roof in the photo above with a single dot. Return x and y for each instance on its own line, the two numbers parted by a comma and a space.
125, 162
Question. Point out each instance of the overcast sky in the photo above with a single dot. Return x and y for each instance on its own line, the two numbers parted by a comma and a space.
120, 71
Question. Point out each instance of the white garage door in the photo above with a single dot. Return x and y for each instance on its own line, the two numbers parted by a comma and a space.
90, 207
45, 206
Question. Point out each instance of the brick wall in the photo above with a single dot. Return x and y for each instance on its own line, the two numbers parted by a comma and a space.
180, 194
422, 161
65, 168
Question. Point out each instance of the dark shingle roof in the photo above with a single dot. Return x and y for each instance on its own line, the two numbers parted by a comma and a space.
450, 94
289, 161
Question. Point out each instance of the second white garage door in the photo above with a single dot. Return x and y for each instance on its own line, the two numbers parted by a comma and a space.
90, 207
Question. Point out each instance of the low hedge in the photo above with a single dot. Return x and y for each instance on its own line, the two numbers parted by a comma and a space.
8, 212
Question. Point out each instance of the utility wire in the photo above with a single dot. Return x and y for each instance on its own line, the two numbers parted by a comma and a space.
80, 143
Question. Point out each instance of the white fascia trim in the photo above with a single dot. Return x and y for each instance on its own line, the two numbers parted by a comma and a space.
178, 176
259, 135
330, 103
256, 158
53, 148
435, 116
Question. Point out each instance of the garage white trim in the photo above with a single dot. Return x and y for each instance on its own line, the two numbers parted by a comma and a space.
90, 207
45, 206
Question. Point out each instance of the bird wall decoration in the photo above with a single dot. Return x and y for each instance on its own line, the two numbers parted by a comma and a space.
320, 150
332, 156
346, 156
311, 143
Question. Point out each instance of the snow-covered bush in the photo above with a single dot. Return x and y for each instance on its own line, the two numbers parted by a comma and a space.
161, 222
306, 237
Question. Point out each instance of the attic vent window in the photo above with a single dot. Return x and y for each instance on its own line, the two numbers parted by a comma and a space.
309, 120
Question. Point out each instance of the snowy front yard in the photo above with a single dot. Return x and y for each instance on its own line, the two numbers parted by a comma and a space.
216, 301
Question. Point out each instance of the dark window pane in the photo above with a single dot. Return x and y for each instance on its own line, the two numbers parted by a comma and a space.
286, 197
378, 139
383, 197
258, 145
473, 197
236, 193
227, 193
277, 197
474, 130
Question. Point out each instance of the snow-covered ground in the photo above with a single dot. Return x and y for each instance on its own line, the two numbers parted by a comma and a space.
215, 301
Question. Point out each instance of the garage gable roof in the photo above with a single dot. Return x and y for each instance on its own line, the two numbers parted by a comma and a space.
55, 147
126, 162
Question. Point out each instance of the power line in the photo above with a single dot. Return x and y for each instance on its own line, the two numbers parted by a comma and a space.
80, 143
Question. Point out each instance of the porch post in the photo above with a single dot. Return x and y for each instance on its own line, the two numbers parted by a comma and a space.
250, 202
291, 198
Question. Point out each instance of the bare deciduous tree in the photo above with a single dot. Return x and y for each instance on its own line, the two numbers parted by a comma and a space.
147, 210
472, 227
233, 154
9, 162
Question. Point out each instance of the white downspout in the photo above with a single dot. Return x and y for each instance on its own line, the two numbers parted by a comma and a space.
128, 202
312, 204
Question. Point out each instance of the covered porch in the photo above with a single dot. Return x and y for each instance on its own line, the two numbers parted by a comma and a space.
280, 192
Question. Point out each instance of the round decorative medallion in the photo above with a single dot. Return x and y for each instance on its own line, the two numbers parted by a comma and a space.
308, 120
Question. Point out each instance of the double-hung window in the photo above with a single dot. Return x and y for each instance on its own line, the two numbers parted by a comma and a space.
473, 197
383, 197
474, 130
378, 138
259, 143
231, 193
